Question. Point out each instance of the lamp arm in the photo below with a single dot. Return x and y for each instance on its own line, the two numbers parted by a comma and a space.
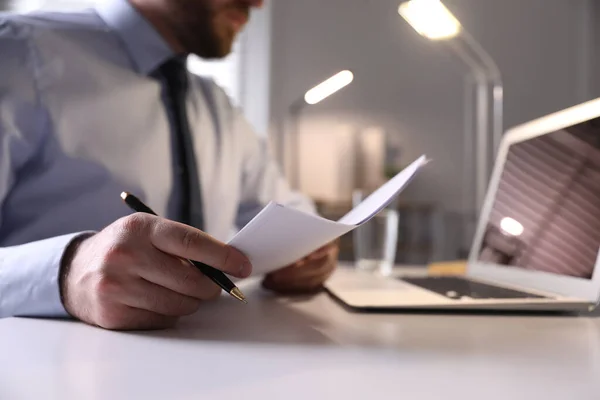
484, 56
289, 143
484, 68
477, 69
297, 106
494, 75
480, 77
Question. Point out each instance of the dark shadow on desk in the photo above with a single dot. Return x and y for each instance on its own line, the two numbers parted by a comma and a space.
272, 319
266, 319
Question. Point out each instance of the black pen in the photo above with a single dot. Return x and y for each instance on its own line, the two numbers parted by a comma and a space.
213, 274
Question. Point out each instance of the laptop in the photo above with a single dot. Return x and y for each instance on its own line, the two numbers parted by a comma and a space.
537, 242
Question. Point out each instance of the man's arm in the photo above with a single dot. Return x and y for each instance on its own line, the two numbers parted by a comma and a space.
29, 276
128, 276
28, 273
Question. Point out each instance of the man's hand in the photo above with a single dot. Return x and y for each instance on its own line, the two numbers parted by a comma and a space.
131, 274
306, 275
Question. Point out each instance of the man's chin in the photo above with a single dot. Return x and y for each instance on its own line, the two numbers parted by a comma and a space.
216, 52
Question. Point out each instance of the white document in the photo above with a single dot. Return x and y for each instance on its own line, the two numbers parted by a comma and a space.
280, 235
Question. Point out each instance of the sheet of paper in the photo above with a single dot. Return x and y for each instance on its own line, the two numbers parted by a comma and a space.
280, 235
383, 196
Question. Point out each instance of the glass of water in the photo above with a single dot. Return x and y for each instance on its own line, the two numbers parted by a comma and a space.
375, 243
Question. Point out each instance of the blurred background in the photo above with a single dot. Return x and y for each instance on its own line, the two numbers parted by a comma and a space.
407, 97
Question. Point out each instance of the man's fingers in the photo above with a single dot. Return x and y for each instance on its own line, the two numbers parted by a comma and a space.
323, 251
306, 276
145, 320
176, 274
148, 296
299, 285
308, 270
138, 319
122, 317
187, 242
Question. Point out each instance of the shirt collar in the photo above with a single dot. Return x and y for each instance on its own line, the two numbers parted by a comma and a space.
145, 45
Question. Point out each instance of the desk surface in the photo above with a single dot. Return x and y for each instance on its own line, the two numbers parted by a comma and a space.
305, 348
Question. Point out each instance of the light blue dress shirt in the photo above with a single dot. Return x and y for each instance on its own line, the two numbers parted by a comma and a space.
81, 120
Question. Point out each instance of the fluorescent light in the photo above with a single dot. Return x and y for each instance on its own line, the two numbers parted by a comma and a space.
511, 226
328, 87
430, 18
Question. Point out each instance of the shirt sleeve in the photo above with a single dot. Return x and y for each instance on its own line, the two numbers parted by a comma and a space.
29, 273
29, 278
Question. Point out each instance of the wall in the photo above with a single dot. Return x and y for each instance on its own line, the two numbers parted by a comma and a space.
255, 60
413, 87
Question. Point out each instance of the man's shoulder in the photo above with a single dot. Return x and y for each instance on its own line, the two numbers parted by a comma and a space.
22, 36
15, 26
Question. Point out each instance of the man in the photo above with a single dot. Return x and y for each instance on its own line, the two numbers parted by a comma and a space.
96, 103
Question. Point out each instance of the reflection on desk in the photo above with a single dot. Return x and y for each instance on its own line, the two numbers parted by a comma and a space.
304, 348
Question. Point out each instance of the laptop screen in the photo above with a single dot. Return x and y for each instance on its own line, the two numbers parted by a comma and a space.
546, 213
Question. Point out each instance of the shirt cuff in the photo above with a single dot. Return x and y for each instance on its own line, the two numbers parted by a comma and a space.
29, 278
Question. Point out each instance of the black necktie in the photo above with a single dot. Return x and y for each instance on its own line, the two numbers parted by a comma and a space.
176, 79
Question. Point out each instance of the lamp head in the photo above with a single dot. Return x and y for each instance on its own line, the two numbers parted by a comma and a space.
430, 18
329, 87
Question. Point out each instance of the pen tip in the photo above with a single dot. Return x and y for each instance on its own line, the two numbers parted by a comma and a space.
124, 195
237, 293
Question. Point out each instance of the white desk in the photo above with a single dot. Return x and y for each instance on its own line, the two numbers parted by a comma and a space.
298, 349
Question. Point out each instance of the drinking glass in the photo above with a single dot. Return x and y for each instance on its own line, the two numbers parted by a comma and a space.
375, 242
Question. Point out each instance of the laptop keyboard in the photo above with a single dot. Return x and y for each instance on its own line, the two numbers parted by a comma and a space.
454, 287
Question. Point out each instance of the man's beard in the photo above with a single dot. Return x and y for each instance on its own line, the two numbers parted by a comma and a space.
203, 31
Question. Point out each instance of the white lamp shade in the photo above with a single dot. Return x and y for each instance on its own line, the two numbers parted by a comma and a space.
329, 87
430, 18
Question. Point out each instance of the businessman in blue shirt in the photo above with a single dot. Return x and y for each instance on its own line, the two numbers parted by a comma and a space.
97, 102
